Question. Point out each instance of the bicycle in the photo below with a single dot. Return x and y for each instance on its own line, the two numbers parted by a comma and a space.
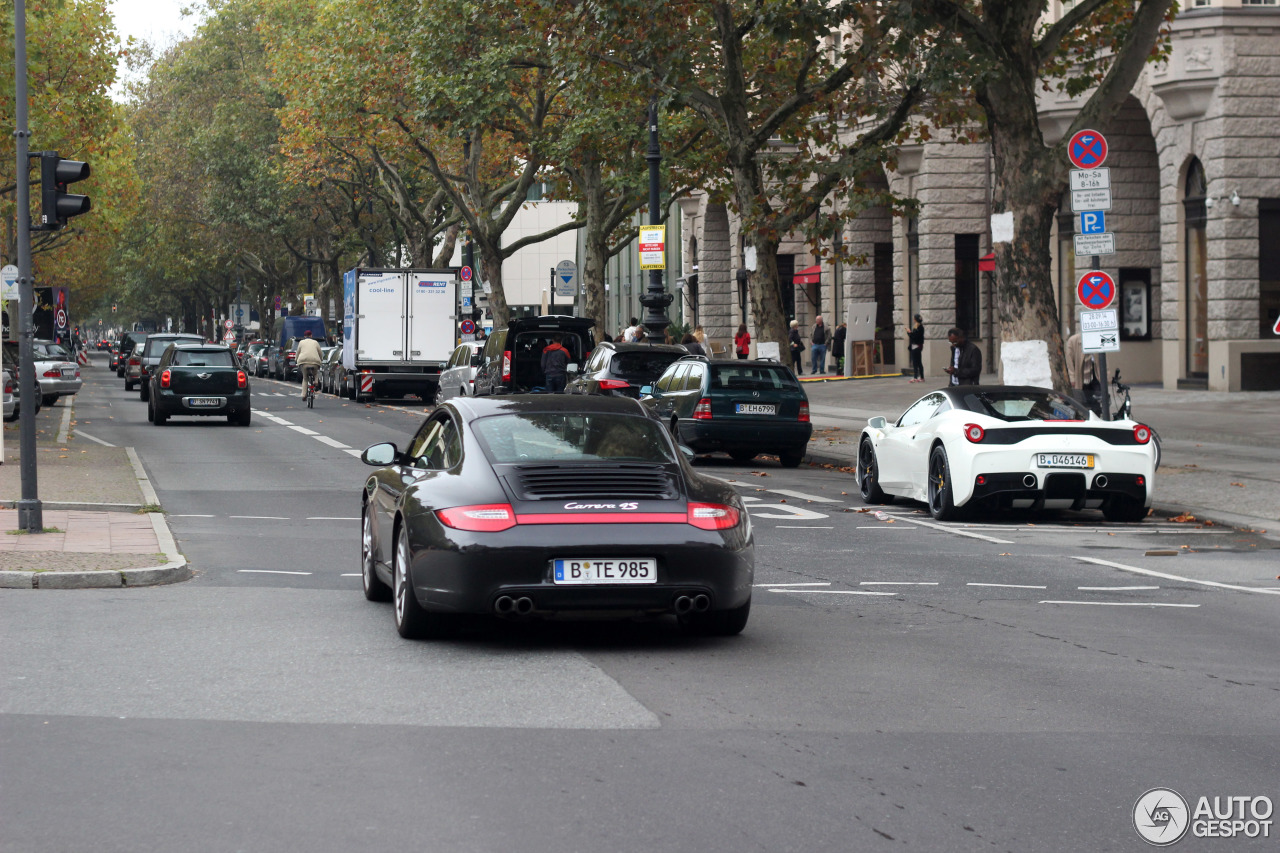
309, 377
1122, 408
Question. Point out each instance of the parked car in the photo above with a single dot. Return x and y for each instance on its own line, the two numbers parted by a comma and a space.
743, 408
1007, 446
154, 349
198, 379
57, 372
621, 370
104, 345
124, 348
328, 372
458, 379
512, 360
551, 506
133, 366
12, 394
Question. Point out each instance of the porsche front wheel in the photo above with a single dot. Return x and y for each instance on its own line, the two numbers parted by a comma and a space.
941, 495
869, 475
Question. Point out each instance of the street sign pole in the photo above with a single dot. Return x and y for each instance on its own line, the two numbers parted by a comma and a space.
1102, 367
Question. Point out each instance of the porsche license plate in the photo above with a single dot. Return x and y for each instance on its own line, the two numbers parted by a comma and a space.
591, 570
204, 402
1064, 460
755, 409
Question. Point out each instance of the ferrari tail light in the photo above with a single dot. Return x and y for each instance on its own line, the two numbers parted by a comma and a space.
1142, 481
506, 366
613, 384
1142, 433
712, 516
702, 411
982, 480
242, 381
164, 379
479, 518
804, 413
974, 433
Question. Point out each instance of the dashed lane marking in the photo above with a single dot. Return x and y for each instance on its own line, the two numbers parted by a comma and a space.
332, 442
353, 452
805, 496
1008, 585
1169, 577
303, 430
958, 532
806, 583
349, 575
260, 517
1121, 603
801, 527
897, 583
830, 591
268, 572
82, 434
1113, 588
332, 518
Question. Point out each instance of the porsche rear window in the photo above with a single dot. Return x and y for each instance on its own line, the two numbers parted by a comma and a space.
1025, 406
568, 437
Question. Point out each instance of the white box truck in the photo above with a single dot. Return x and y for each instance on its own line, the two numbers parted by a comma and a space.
399, 329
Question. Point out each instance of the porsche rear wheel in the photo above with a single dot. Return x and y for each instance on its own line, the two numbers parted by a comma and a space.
374, 588
869, 475
716, 623
413, 621
941, 500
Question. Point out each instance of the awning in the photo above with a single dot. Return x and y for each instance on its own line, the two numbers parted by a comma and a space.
810, 275
987, 263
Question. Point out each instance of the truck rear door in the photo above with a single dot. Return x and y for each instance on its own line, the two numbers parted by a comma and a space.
432, 305
380, 318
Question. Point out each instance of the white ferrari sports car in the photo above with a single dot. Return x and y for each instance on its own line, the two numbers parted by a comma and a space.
1007, 446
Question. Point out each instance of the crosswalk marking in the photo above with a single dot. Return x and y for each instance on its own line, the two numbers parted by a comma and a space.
805, 496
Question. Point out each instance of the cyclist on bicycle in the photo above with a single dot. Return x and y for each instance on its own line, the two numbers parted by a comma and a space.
308, 360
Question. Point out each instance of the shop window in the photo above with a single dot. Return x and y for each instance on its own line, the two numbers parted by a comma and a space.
1135, 304
967, 284
1268, 266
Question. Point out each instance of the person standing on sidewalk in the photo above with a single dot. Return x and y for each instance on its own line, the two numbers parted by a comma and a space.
837, 346
966, 358
915, 345
818, 352
742, 342
797, 348
1082, 370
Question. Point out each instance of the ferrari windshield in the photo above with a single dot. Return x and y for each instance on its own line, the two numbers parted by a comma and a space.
560, 437
1025, 405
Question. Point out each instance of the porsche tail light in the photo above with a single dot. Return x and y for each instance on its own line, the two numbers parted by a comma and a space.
702, 411
164, 379
242, 381
804, 413
479, 518
613, 384
974, 433
1142, 433
712, 516
506, 366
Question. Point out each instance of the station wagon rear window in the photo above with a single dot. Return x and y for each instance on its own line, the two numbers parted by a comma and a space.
567, 437
641, 365
1025, 406
752, 377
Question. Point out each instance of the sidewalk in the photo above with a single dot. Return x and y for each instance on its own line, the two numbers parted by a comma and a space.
1219, 451
92, 501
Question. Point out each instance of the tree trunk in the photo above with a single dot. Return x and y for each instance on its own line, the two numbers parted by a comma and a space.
491, 264
596, 246
447, 245
766, 294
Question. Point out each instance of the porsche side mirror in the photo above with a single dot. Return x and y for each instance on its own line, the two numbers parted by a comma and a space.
379, 455
877, 423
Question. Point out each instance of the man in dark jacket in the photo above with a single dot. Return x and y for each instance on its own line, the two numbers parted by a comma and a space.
837, 346
966, 359
555, 366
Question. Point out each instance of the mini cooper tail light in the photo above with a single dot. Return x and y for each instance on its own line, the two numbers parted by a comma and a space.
804, 413
974, 433
242, 381
712, 516
1142, 433
613, 384
164, 379
506, 366
702, 411
479, 518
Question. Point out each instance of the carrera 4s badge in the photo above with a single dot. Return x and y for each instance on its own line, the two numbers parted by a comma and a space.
628, 505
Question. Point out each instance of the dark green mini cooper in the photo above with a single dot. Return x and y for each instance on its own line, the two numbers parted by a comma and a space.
198, 379
740, 407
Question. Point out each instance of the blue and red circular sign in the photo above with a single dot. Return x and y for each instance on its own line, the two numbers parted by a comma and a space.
468, 327
1096, 290
466, 273
1087, 149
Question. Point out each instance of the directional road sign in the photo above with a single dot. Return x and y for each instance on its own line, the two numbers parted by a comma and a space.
1096, 290
9, 282
1087, 149
1092, 222
1088, 245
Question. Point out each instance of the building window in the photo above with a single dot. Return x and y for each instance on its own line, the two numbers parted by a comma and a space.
883, 277
1195, 287
967, 284
913, 265
1135, 304
1268, 266
1257, 2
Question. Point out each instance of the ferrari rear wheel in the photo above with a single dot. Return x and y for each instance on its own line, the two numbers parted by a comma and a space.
941, 499
1126, 510
869, 475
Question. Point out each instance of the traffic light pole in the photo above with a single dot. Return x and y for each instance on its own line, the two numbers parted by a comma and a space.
30, 514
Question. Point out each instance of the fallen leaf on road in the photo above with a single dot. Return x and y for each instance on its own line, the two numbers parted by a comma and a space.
844, 493
1005, 554
888, 521
1241, 485
62, 456
782, 500
1183, 519
1208, 523
759, 474
865, 509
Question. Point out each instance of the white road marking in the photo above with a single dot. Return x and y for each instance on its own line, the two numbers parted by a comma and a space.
801, 527
332, 442
353, 452
303, 430
958, 532
350, 575
1114, 588
897, 583
261, 517
331, 518
268, 572
836, 592
881, 526
805, 496
1008, 585
807, 583
1169, 577
786, 512
82, 434
64, 428
193, 515
1121, 603
747, 499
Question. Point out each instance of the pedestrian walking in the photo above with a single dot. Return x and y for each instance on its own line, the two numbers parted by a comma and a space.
818, 352
837, 346
555, 365
742, 341
1082, 371
691, 344
915, 346
966, 358
797, 347
699, 335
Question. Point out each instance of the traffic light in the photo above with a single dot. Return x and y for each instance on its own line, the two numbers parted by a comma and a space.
58, 205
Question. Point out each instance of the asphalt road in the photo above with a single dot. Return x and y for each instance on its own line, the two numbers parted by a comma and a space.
1011, 685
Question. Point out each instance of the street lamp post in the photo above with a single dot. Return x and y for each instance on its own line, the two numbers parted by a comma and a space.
655, 299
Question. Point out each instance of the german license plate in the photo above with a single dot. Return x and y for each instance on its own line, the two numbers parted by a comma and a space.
592, 570
1064, 460
204, 402
755, 409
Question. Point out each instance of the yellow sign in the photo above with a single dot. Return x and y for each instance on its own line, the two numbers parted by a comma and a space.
653, 239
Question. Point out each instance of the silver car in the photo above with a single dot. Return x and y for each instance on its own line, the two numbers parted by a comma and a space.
9, 385
57, 371
458, 379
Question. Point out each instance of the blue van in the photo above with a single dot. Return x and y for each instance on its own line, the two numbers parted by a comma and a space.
293, 326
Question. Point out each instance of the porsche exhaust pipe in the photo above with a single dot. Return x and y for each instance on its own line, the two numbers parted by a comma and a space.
1100, 481
504, 605
1029, 481
683, 604
524, 605
701, 603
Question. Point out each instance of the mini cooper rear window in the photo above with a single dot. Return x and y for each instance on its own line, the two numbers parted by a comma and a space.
754, 377
203, 358
557, 437
1026, 406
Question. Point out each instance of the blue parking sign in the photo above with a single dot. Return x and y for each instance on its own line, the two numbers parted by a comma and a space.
1093, 222
466, 302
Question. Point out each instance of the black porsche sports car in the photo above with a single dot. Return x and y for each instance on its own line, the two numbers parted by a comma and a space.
550, 506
